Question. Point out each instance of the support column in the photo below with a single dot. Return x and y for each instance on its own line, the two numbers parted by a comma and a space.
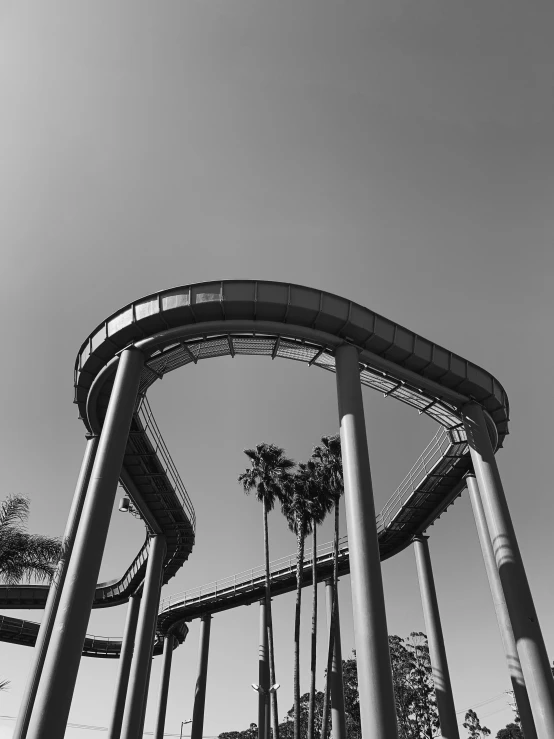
197, 729
514, 666
135, 706
519, 601
164, 686
59, 674
263, 676
377, 707
125, 657
437, 650
55, 591
338, 719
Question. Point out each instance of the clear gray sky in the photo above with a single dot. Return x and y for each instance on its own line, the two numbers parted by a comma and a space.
396, 153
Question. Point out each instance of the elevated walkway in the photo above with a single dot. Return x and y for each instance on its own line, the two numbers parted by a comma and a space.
191, 323
433, 483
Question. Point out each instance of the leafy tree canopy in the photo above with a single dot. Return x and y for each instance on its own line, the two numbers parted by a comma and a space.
511, 731
473, 725
415, 699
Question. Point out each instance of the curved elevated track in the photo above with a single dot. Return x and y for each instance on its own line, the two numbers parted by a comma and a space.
177, 327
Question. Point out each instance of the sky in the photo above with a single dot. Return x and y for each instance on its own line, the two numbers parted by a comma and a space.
398, 154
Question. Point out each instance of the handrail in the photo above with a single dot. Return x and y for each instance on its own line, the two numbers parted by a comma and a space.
144, 413
277, 566
431, 455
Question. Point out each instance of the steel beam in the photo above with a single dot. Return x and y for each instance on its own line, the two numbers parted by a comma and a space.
164, 686
338, 718
377, 707
55, 591
197, 729
53, 701
137, 694
519, 601
514, 666
437, 650
125, 658
263, 676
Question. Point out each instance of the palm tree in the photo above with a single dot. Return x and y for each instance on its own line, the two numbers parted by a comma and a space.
267, 476
328, 459
22, 555
321, 504
298, 507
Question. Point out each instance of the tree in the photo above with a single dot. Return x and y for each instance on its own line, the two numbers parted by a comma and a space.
321, 503
287, 727
473, 725
413, 690
298, 508
401, 667
511, 731
24, 556
267, 476
414, 693
328, 459
250, 733
351, 698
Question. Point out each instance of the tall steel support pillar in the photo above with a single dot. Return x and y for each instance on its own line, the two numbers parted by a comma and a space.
197, 729
125, 658
514, 666
137, 693
263, 676
53, 701
338, 718
377, 707
437, 650
519, 601
164, 686
55, 591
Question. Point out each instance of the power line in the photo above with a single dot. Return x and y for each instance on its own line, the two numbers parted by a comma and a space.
483, 703
89, 727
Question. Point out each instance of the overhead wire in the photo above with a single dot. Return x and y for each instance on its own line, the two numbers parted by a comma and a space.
90, 727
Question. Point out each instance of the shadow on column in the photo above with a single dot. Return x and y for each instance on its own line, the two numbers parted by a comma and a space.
515, 586
338, 718
504, 625
133, 716
197, 729
169, 645
437, 649
125, 658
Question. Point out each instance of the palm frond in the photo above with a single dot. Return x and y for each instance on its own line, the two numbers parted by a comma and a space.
4, 684
328, 458
14, 511
268, 473
27, 556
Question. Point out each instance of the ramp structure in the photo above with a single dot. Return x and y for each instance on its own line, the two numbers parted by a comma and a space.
145, 340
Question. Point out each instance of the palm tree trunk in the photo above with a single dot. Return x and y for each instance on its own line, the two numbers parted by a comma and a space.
332, 627
299, 569
311, 712
273, 694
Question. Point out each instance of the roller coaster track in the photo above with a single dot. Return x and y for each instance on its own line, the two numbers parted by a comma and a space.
185, 325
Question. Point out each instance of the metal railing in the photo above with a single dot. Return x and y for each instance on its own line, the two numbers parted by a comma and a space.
434, 453
101, 644
146, 417
250, 578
